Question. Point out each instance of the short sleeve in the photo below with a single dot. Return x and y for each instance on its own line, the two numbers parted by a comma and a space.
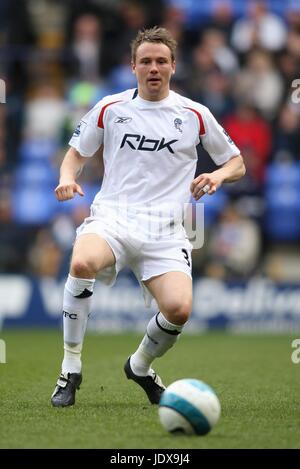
88, 137
216, 140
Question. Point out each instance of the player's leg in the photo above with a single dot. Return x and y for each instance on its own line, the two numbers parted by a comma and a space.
91, 254
173, 294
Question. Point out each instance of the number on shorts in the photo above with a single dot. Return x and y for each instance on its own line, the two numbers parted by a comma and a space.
186, 256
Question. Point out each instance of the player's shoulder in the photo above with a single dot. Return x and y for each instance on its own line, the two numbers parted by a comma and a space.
123, 96
94, 116
190, 104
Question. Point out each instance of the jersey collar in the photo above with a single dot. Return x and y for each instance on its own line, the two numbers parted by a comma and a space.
152, 104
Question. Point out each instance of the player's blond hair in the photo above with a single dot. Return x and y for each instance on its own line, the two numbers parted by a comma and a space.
156, 35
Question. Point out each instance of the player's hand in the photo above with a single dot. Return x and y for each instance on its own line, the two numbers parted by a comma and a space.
67, 190
206, 183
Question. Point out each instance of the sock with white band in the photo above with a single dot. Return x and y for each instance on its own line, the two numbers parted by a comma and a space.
72, 358
160, 336
76, 309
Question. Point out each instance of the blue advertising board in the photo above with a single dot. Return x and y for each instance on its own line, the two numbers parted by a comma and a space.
256, 305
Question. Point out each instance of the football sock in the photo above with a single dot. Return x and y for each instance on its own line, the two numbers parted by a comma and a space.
160, 336
72, 358
76, 308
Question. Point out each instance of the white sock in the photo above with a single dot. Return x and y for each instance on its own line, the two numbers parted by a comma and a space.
76, 308
160, 336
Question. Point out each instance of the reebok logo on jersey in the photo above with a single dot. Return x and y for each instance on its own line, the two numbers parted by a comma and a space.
122, 120
146, 144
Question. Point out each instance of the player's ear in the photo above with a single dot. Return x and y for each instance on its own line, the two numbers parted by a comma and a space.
133, 67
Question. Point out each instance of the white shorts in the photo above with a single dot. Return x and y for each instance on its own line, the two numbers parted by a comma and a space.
146, 257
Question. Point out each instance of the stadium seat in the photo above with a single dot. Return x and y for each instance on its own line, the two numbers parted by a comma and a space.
281, 173
36, 173
38, 149
282, 215
33, 205
282, 197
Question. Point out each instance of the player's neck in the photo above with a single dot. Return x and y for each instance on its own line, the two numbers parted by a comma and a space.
153, 97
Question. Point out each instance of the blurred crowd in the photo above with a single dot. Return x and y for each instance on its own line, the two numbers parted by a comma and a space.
239, 58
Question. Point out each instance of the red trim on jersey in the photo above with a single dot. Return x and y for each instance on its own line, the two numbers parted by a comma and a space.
101, 115
202, 129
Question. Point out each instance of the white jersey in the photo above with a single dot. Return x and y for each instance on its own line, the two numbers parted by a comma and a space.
150, 151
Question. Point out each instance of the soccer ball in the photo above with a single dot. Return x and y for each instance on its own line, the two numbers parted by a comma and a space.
189, 406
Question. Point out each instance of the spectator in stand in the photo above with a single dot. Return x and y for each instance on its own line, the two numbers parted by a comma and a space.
133, 17
14, 240
293, 20
224, 56
3, 136
87, 48
261, 28
234, 246
45, 256
260, 83
45, 98
252, 134
289, 68
201, 67
287, 135
222, 17
216, 94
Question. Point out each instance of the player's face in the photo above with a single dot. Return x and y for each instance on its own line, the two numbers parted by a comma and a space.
153, 68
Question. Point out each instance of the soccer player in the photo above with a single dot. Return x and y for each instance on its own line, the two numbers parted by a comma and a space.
149, 137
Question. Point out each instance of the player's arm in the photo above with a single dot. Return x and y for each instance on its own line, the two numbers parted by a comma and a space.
70, 169
208, 183
85, 142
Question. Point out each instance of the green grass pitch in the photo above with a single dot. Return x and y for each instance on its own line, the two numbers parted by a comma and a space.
253, 375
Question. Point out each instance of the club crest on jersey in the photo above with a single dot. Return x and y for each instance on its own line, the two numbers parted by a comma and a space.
178, 124
122, 120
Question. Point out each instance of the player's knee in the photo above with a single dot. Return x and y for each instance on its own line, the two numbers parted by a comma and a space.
182, 313
83, 268
177, 312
